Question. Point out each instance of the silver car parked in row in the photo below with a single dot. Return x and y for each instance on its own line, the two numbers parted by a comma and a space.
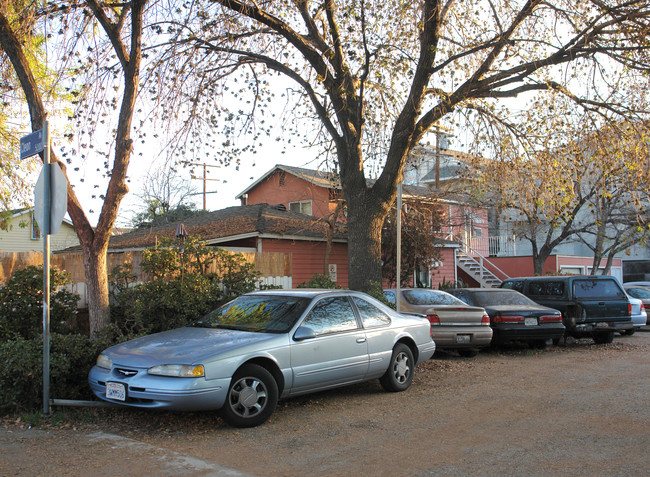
454, 324
242, 357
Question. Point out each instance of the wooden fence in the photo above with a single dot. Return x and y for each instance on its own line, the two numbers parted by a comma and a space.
275, 267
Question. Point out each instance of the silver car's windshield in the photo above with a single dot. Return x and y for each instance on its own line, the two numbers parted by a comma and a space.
260, 313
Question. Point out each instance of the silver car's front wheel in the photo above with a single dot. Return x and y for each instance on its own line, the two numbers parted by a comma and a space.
252, 397
399, 375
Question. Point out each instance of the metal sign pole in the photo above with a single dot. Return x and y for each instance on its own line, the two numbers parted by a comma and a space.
398, 285
45, 232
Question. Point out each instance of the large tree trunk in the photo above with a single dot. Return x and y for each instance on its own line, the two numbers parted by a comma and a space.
539, 258
364, 245
95, 267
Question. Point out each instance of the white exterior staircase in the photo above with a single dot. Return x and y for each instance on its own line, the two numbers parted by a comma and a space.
474, 266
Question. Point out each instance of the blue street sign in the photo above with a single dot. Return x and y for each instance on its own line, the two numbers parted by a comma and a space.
31, 144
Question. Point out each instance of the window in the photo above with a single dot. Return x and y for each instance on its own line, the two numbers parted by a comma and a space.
36, 231
370, 315
422, 276
546, 288
641, 293
302, 207
390, 296
573, 270
331, 315
259, 313
430, 297
597, 289
517, 285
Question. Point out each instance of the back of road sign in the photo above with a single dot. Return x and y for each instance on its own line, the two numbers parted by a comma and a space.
58, 203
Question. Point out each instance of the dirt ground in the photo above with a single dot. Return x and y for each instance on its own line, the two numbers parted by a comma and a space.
579, 409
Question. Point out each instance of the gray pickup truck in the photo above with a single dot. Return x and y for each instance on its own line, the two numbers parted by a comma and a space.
591, 306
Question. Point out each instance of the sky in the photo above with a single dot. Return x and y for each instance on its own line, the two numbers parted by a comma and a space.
223, 184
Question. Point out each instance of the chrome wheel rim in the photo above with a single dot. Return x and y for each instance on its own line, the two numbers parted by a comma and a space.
401, 368
248, 397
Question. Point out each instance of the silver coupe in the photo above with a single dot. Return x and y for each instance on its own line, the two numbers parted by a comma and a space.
244, 356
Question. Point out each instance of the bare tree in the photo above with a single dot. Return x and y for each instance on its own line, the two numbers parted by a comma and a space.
165, 197
618, 212
122, 24
375, 77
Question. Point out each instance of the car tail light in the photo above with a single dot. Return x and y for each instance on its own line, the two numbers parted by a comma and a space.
486, 319
433, 319
629, 309
550, 318
646, 306
508, 319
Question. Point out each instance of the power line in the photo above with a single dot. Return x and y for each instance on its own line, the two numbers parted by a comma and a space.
205, 179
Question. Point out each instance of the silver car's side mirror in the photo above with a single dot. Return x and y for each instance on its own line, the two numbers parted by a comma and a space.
304, 333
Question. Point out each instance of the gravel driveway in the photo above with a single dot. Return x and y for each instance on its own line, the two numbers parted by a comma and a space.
579, 409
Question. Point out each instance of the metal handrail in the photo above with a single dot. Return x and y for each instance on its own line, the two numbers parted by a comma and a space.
468, 248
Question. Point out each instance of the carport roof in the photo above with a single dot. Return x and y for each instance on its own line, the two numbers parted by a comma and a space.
251, 220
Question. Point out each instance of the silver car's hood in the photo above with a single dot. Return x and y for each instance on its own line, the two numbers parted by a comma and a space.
185, 346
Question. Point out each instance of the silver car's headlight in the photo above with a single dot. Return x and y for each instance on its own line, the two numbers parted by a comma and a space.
104, 361
178, 370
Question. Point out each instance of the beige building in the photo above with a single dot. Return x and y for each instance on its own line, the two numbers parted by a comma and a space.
23, 235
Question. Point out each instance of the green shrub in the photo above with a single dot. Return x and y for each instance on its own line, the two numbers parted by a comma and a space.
161, 305
377, 291
182, 289
445, 285
21, 369
169, 261
319, 280
21, 304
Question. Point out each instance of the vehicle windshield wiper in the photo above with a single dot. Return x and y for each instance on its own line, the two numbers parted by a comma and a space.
227, 327
207, 324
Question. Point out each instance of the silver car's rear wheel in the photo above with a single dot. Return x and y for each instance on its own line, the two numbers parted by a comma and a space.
252, 397
399, 375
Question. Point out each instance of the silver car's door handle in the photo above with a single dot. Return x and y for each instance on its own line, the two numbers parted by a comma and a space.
361, 340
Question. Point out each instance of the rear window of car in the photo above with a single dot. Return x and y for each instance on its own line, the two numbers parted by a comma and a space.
643, 293
597, 289
546, 288
501, 297
430, 297
390, 296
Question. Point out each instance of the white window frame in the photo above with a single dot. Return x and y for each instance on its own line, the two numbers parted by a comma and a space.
301, 206
35, 230
428, 282
572, 269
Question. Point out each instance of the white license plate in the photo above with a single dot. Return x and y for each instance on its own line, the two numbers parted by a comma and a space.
463, 338
116, 391
530, 321
602, 325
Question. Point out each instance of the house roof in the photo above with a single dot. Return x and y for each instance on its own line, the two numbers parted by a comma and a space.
330, 180
28, 210
259, 220
319, 178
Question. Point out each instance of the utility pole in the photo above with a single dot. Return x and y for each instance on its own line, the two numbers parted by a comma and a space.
205, 179
442, 143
